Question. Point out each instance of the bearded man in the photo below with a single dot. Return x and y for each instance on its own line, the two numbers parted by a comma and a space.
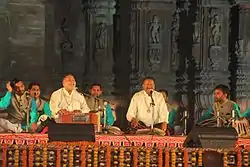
223, 110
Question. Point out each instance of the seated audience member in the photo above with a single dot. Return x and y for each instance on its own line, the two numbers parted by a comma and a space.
17, 103
175, 117
39, 106
148, 107
222, 111
96, 103
67, 99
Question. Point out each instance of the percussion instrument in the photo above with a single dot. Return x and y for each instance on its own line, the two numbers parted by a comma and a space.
242, 127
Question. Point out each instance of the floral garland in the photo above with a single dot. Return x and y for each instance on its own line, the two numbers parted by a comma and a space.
58, 156
135, 157
160, 157
193, 158
16, 156
166, 158
200, 157
31, 155
108, 156
242, 156
239, 158
148, 157
45, 156
24, 156
185, 157
245, 158
4, 155
173, 158
225, 164
95, 156
83, 155
121, 164
71, 156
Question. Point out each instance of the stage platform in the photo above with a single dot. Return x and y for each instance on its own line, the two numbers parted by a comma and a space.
112, 140
30, 150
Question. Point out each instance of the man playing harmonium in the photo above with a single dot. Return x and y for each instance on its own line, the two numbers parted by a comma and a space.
97, 104
39, 107
223, 112
148, 108
67, 99
16, 102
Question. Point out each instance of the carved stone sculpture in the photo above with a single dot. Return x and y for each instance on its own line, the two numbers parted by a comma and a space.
154, 59
215, 26
174, 41
155, 29
101, 36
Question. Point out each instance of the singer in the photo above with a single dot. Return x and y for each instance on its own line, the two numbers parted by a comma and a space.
67, 99
223, 110
17, 104
147, 107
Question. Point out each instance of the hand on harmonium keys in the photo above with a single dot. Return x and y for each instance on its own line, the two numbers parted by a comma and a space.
76, 112
64, 112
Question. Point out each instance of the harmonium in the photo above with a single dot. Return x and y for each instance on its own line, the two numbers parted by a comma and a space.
80, 118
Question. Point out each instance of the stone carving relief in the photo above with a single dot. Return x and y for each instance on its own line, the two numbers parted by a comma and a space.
197, 30
155, 58
216, 20
243, 74
155, 30
174, 42
101, 36
215, 27
154, 53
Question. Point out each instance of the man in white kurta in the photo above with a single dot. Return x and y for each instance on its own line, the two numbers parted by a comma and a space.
67, 99
142, 109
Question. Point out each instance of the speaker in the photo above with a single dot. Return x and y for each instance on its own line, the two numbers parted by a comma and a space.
211, 137
71, 132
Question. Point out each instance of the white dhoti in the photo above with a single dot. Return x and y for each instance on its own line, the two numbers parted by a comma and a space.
6, 125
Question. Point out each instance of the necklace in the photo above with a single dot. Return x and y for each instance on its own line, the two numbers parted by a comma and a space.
148, 106
69, 103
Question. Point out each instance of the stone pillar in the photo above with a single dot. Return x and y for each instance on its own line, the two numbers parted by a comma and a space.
242, 53
151, 34
99, 43
4, 34
27, 26
211, 48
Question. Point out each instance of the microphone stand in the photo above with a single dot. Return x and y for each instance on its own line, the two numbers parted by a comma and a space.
152, 104
185, 122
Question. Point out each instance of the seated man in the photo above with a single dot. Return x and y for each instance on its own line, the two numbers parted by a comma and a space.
175, 115
95, 103
148, 107
39, 106
223, 111
17, 103
67, 99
